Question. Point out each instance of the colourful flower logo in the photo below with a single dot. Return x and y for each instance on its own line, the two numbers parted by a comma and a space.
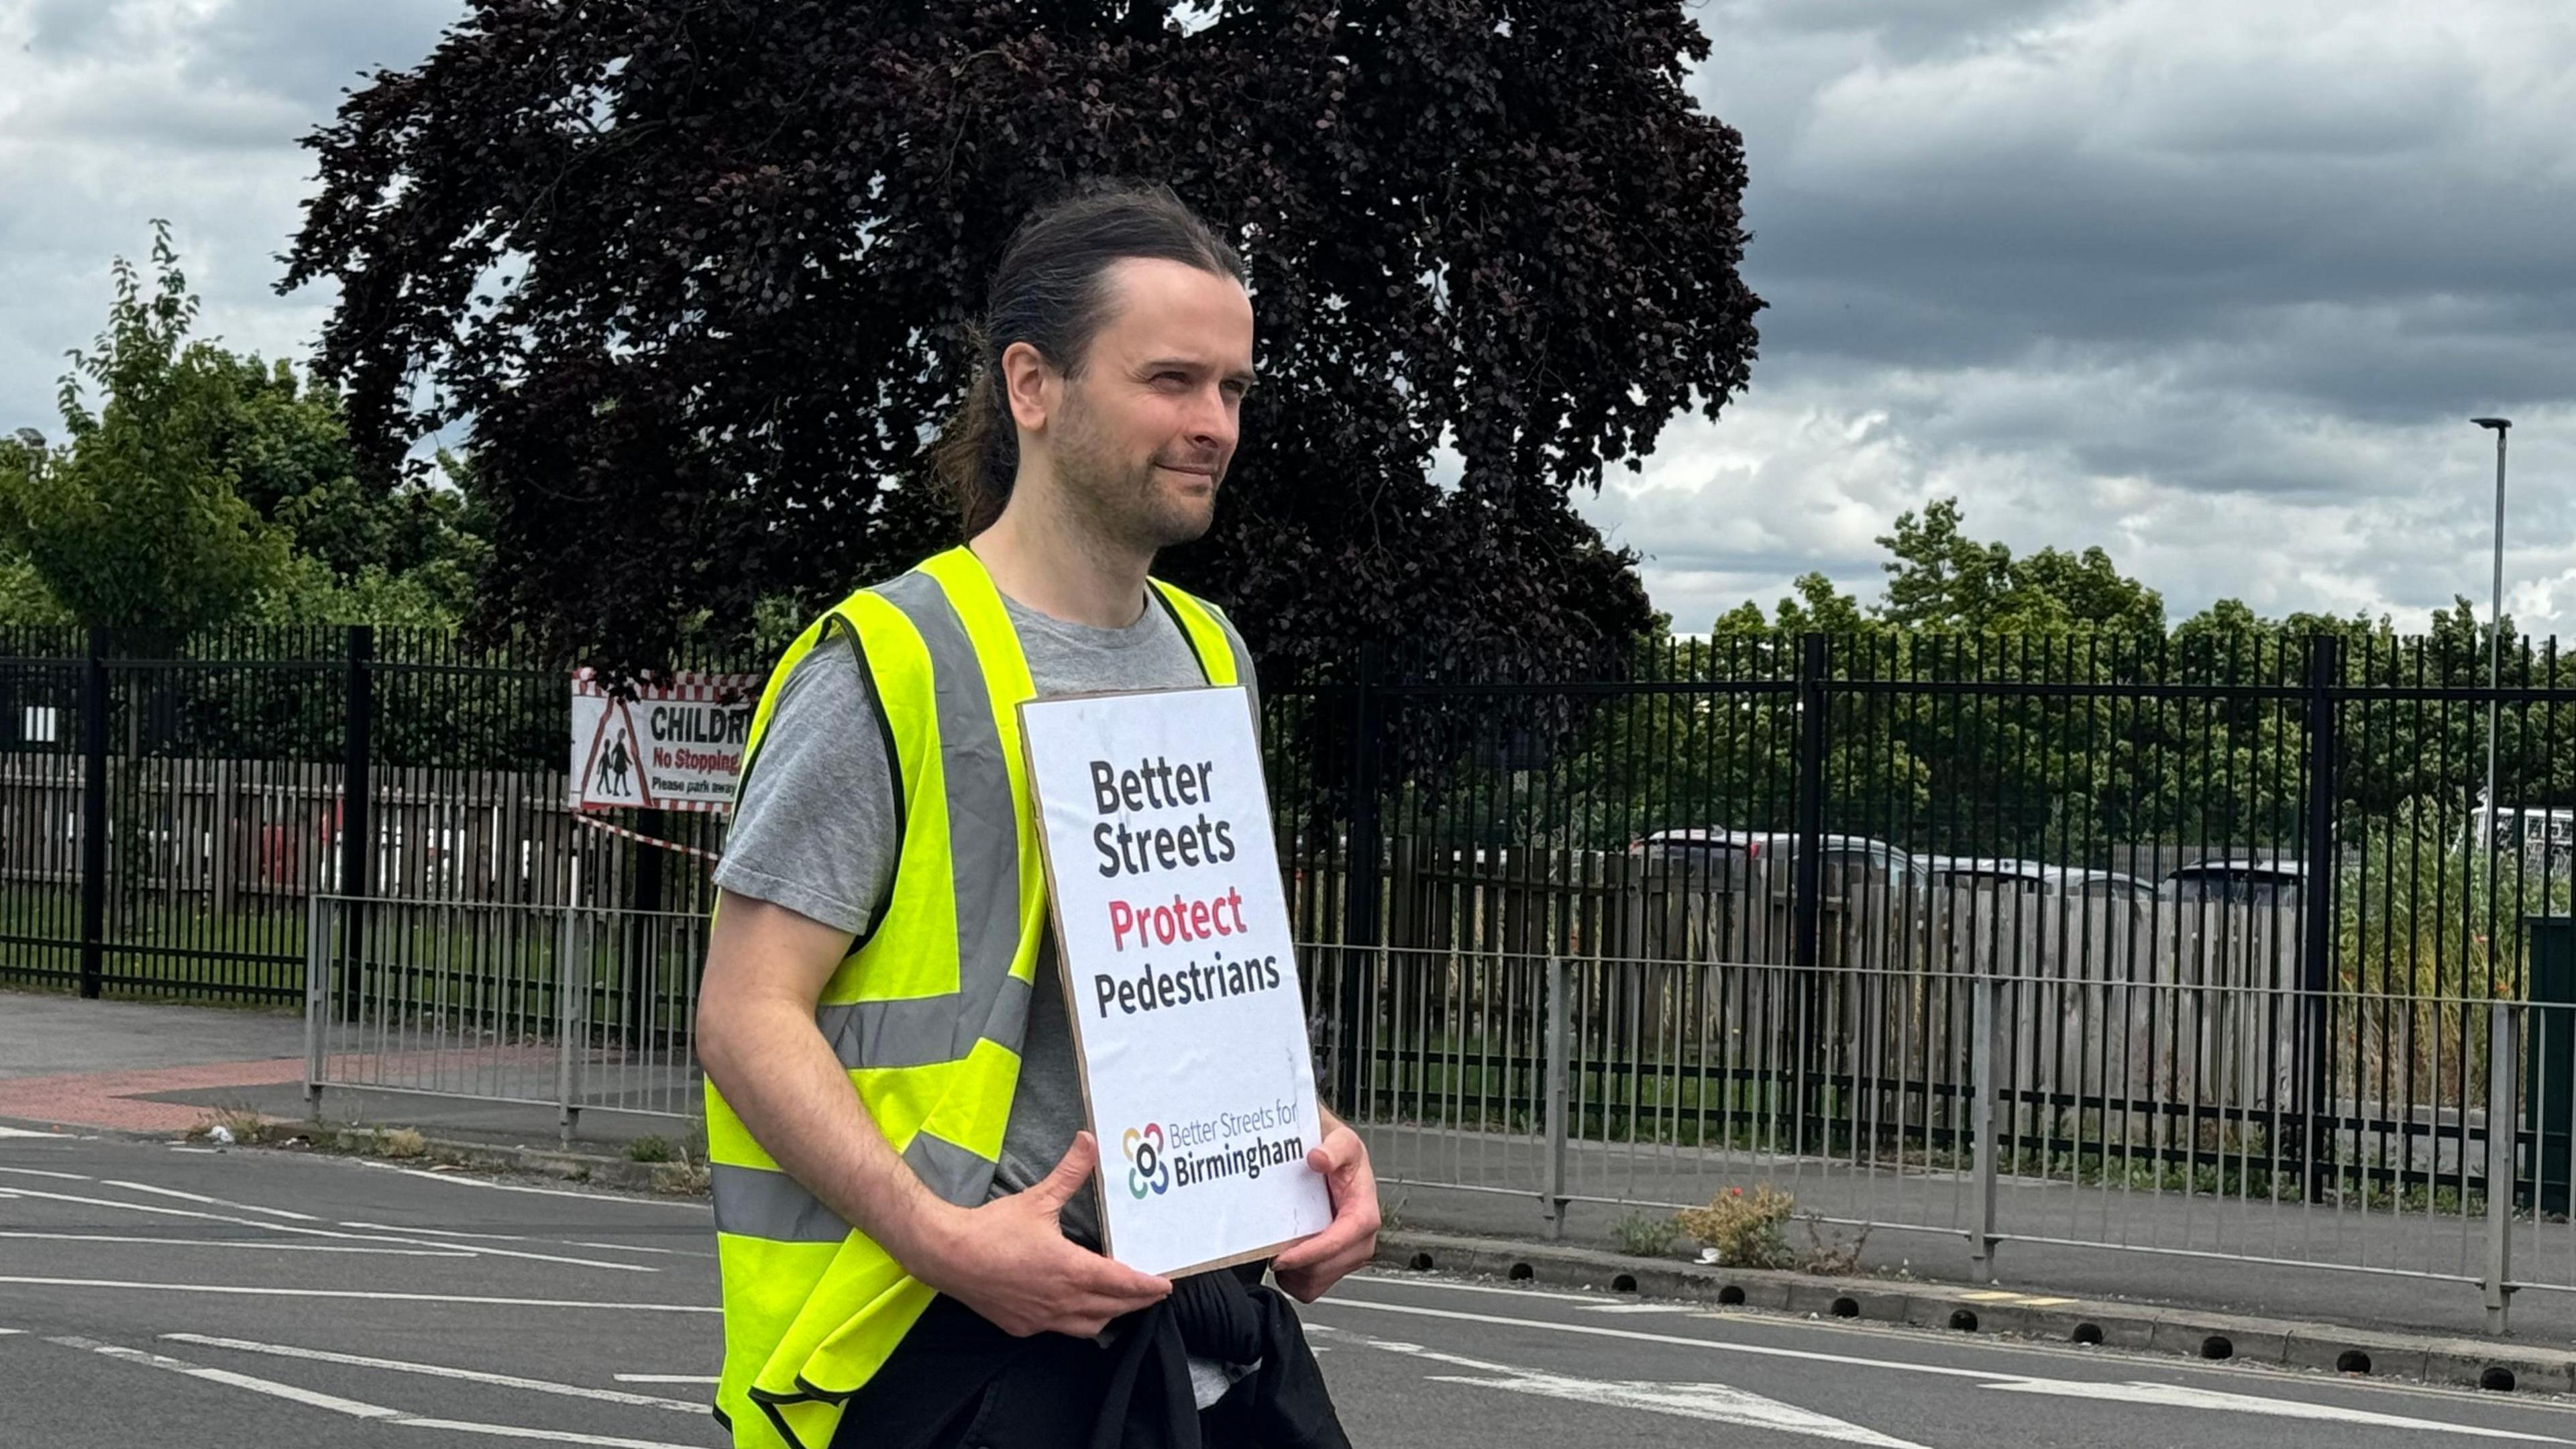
1146, 1169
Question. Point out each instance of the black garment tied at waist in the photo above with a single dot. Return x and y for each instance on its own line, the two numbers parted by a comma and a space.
959, 1382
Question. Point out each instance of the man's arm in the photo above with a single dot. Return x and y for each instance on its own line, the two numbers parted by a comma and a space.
1007, 1259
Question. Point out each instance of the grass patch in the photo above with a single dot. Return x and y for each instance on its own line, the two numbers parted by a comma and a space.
236, 1124
401, 1142
649, 1149
1646, 1235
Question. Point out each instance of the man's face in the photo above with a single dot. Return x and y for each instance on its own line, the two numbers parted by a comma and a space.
1145, 432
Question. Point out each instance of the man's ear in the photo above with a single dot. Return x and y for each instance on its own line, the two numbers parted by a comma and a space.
1030, 387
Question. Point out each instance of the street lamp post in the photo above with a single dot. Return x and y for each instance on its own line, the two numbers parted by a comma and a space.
2495, 630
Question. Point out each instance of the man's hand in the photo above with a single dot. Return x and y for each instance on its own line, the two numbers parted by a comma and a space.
1010, 1261
1312, 1267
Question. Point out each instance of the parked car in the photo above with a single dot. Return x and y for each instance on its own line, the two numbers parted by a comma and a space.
2533, 832
2238, 880
1848, 859
2030, 877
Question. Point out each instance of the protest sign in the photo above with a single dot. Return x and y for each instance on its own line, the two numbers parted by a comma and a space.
1180, 974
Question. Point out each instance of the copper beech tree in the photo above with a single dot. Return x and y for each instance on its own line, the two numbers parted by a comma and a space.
691, 278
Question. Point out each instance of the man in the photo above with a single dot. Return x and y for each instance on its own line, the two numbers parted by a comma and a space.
906, 1220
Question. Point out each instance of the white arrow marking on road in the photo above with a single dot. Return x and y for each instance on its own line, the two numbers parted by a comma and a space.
1714, 1402
267, 1226
2181, 1397
265, 1247
367, 1293
524, 1238
1717, 1403
197, 1197
459, 1181
403, 1366
354, 1408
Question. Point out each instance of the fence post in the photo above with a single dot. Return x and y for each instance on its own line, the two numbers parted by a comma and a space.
1985, 1017
572, 1007
638, 1010
1554, 1204
2502, 1115
357, 825
1360, 881
2317, 910
317, 971
93, 866
1808, 910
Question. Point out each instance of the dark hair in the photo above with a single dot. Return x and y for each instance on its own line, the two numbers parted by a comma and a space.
1051, 292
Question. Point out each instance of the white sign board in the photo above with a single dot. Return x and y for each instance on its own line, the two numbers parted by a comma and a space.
1180, 974
674, 746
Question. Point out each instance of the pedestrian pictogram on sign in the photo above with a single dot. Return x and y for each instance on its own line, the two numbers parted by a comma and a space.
610, 776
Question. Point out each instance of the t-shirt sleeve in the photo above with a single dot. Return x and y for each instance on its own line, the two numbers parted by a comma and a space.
815, 829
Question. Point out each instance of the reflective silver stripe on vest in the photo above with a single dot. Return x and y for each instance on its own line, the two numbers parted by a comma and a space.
957, 1175
753, 1202
914, 1032
983, 826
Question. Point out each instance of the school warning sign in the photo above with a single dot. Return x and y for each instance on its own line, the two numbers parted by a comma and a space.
673, 746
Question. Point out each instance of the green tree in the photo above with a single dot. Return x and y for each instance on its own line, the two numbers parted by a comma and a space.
135, 522
1941, 578
214, 487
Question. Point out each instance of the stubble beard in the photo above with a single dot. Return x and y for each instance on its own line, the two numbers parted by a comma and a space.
1123, 503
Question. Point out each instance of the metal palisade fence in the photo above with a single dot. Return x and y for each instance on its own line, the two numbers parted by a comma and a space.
2203, 944
2200, 946
168, 808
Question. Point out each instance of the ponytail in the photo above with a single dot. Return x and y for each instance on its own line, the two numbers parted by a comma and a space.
977, 456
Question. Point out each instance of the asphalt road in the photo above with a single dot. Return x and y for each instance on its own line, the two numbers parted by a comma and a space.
259, 1300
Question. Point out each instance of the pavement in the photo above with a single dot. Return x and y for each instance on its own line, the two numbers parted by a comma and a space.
84, 1067
255, 1299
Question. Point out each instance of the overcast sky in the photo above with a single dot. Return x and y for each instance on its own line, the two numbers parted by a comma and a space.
2211, 283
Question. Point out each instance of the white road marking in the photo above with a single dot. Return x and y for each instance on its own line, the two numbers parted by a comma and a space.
263, 1223
248, 1207
1595, 1330
401, 1366
356, 1408
206, 1151
665, 1378
524, 1238
1880, 1332
1718, 1403
258, 1247
40, 1172
1985, 1378
1645, 1308
23, 1132
460, 1180
2179, 1396
353, 1407
370, 1294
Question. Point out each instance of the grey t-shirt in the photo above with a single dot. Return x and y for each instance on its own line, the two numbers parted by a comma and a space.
814, 831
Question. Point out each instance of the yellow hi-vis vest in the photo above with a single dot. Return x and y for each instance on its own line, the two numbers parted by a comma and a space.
928, 1009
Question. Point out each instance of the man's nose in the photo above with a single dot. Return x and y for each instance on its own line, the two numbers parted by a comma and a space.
1213, 421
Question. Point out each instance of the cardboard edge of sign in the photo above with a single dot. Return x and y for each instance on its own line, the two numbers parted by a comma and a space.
1073, 1007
